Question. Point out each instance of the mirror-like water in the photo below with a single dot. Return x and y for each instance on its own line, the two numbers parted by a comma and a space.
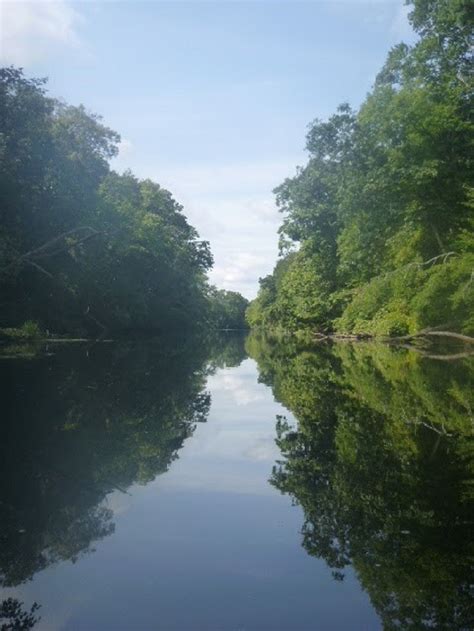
237, 485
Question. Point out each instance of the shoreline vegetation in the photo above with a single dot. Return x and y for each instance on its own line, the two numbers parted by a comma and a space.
29, 341
30, 331
377, 237
376, 242
85, 251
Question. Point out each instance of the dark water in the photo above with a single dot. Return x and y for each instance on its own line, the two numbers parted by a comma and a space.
237, 485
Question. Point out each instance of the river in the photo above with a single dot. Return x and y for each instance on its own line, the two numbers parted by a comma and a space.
237, 484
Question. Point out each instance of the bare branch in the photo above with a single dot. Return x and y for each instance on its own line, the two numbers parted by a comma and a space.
41, 269
42, 251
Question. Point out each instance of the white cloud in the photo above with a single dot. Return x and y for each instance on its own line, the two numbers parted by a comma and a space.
265, 210
240, 271
263, 449
233, 207
244, 240
33, 31
237, 386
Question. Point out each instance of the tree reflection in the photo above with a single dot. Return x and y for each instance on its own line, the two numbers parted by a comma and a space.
226, 349
13, 616
78, 424
381, 461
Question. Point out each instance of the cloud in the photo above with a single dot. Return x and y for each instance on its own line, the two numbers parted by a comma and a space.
237, 386
264, 210
263, 449
232, 206
243, 237
241, 271
34, 31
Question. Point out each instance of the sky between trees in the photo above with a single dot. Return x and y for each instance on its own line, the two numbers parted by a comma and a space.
212, 99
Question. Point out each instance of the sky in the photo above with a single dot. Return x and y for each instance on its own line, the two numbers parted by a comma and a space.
212, 99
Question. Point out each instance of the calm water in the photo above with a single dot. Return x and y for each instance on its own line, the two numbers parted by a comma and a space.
237, 485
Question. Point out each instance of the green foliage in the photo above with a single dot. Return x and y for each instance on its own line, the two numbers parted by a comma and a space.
29, 330
227, 309
385, 190
303, 297
263, 311
412, 299
83, 248
380, 459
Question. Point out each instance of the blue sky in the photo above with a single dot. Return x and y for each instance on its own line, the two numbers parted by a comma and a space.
212, 99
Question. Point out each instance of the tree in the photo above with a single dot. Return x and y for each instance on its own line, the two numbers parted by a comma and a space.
82, 248
386, 194
227, 309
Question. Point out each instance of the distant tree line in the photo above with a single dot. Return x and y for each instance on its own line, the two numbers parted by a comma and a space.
228, 309
377, 235
83, 248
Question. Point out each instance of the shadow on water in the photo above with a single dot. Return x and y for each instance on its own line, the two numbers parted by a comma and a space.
381, 462
82, 422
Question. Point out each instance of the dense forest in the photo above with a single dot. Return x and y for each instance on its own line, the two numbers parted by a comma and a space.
82, 248
381, 462
377, 230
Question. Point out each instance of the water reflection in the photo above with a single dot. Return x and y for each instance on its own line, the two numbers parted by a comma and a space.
79, 423
378, 456
14, 617
381, 462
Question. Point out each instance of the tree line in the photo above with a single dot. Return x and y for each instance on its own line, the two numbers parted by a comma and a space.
377, 234
86, 249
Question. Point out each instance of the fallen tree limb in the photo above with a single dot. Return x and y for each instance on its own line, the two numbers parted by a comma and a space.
431, 333
50, 249
40, 268
44, 251
421, 335
458, 336
445, 358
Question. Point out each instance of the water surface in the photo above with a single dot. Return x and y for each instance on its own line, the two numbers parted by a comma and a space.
237, 485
